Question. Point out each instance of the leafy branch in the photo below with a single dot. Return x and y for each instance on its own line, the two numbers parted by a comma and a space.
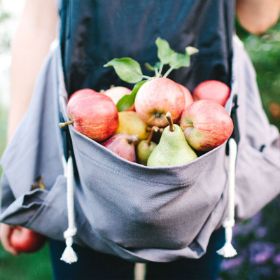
129, 70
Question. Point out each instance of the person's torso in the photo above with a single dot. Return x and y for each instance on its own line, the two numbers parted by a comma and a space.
95, 31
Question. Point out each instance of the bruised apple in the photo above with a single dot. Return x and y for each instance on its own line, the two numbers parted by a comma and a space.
212, 90
206, 125
157, 97
24, 240
93, 114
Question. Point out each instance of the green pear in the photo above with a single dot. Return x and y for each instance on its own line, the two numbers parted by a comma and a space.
172, 149
145, 147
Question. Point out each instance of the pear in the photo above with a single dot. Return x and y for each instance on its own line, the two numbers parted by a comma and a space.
172, 149
145, 147
131, 123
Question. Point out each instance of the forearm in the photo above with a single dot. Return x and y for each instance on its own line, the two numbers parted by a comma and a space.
36, 31
257, 16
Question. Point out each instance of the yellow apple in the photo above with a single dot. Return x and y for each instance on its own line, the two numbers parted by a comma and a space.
130, 123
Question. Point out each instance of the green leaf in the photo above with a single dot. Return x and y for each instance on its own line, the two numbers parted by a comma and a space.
156, 68
179, 60
157, 65
149, 67
128, 100
127, 69
164, 52
174, 59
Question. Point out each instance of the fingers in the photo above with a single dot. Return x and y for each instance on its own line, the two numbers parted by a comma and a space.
5, 234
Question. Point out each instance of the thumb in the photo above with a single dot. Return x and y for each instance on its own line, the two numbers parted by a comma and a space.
6, 232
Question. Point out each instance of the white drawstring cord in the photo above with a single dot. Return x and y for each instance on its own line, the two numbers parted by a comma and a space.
69, 255
228, 250
140, 271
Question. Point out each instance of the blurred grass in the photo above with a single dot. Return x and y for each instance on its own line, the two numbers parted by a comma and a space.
26, 266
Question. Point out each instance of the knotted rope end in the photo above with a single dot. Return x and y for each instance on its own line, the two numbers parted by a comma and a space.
69, 255
227, 251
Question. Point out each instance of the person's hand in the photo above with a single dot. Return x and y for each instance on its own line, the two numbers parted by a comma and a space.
17, 239
5, 237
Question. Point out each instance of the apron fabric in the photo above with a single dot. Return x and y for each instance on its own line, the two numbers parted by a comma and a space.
135, 212
94, 32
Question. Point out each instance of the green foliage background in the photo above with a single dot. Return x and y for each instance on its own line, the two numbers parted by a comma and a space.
265, 54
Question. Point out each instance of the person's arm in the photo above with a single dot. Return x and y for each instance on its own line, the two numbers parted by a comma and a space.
36, 31
256, 16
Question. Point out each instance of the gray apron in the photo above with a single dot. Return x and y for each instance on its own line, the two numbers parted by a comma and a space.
138, 213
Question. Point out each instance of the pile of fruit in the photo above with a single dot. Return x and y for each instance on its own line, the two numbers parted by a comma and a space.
159, 122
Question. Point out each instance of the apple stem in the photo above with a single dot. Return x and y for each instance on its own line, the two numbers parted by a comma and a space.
146, 77
168, 72
64, 124
153, 130
157, 72
160, 69
170, 121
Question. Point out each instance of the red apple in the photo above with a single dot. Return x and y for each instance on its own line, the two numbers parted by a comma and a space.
24, 240
187, 94
212, 90
157, 97
206, 125
93, 114
123, 145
